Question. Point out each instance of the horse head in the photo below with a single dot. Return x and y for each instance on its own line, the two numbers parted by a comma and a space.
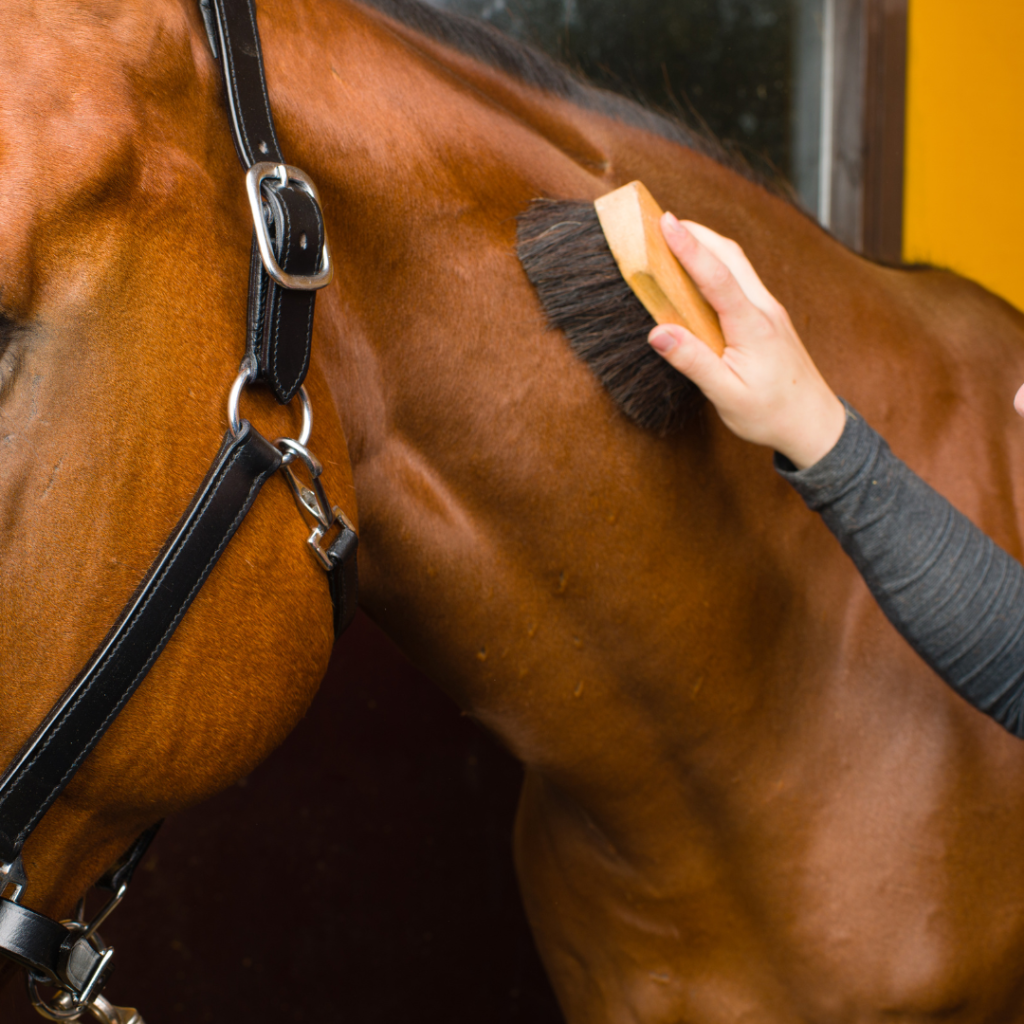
124, 262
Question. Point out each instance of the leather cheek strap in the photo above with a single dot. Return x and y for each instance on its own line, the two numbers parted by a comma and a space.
280, 319
74, 726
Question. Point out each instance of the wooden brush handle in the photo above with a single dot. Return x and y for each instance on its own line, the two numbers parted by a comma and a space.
630, 219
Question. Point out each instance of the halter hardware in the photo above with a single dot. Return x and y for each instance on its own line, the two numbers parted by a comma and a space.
313, 502
12, 874
246, 376
285, 175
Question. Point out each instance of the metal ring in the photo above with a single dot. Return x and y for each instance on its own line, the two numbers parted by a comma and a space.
303, 438
70, 1011
292, 449
307, 417
246, 375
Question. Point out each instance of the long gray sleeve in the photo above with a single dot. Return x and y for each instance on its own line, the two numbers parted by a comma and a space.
954, 594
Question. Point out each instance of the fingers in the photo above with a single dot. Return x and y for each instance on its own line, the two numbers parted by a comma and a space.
692, 358
711, 274
730, 253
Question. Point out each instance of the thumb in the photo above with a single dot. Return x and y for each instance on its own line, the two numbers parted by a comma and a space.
690, 356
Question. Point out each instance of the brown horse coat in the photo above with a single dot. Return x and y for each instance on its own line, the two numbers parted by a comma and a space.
745, 797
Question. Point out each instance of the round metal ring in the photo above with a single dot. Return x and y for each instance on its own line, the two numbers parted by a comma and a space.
289, 453
53, 1010
246, 375
307, 418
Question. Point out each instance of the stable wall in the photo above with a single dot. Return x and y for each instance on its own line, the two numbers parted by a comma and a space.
964, 196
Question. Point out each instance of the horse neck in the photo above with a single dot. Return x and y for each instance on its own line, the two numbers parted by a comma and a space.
519, 536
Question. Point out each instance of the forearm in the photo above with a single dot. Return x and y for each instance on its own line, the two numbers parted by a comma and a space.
954, 595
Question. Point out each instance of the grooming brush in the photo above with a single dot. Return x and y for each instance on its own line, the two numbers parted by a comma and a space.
604, 276
631, 222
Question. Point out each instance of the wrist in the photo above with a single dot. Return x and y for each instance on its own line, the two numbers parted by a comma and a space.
815, 432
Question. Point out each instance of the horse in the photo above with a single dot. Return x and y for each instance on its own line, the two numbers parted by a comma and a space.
123, 281
744, 794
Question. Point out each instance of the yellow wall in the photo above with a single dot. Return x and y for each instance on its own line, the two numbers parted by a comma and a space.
964, 198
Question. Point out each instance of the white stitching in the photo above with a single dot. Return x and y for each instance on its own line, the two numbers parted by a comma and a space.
256, 484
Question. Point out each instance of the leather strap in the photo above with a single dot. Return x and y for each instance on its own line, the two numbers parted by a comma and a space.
280, 335
235, 40
344, 579
280, 319
76, 723
47, 948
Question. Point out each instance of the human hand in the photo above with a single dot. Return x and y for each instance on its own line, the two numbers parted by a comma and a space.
765, 386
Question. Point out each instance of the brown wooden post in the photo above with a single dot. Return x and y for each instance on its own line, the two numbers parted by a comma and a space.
884, 128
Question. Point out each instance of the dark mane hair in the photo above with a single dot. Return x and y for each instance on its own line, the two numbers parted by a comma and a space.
487, 44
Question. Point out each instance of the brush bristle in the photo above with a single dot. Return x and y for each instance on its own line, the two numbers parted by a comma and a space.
567, 260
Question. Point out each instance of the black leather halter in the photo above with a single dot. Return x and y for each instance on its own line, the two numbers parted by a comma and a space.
290, 261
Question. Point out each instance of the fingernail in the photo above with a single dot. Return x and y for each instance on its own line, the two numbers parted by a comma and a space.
661, 341
671, 221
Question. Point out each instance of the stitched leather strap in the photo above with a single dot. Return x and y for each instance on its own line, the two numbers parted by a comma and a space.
280, 335
47, 948
80, 718
280, 319
235, 39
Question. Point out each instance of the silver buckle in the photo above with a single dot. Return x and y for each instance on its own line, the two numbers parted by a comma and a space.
253, 183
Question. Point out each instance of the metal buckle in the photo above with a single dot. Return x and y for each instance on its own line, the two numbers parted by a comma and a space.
286, 174
67, 1005
313, 502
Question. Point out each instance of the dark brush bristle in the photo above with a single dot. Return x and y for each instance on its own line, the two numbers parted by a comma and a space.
564, 253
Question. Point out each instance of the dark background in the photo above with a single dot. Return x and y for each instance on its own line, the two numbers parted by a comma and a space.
725, 63
362, 873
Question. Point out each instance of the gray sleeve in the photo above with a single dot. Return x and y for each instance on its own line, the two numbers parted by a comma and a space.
956, 597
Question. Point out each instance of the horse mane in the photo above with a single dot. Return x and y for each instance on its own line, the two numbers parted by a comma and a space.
485, 43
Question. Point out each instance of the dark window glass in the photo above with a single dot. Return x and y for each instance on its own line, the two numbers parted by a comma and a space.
731, 64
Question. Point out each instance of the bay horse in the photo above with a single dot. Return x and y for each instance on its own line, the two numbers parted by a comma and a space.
123, 277
745, 796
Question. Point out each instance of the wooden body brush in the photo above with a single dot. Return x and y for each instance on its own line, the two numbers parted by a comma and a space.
630, 219
604, 276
